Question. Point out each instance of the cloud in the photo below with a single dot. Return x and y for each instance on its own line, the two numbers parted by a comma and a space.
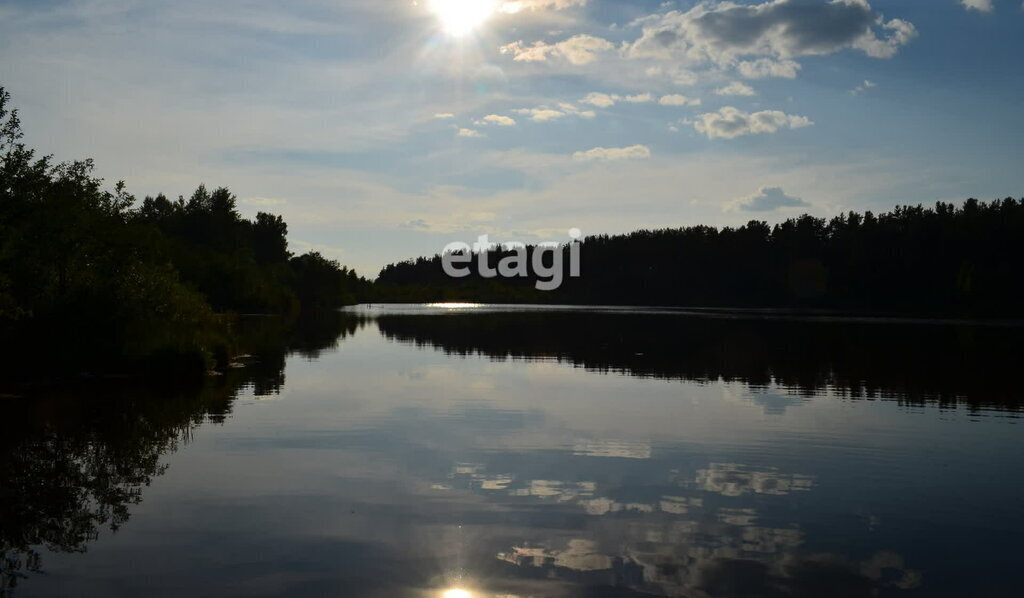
675, 74
766, 200
444, 115
900, 34
677, 99
601, 100
731, 479
866, 85
736, 88
309, 105
639, 98
516, 6
605, 100
496, 119
540, 114
469, 133
729, 122
780, 29
578, 50
546, 113
762, 68
978, 5
607, 154
568, 108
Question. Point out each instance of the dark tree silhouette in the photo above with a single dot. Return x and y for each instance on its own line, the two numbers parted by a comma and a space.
966, 259
90, 279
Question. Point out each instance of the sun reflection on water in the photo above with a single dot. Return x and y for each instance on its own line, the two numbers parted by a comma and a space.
454, 305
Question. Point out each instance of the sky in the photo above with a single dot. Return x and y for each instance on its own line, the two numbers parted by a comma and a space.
385, 129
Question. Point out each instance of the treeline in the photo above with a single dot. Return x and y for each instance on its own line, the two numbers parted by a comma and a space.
950, 259
242, 265
94, 278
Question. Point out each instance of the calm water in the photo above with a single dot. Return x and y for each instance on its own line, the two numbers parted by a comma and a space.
417, 451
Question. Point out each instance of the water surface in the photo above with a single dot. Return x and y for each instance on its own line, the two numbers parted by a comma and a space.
418, 450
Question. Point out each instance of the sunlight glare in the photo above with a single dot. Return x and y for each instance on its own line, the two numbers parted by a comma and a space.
456, 593
459, 17
454, 305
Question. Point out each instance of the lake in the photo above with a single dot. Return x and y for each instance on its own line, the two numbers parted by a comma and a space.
458, 451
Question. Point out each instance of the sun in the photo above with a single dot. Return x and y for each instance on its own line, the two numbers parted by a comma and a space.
459, 17
456, 593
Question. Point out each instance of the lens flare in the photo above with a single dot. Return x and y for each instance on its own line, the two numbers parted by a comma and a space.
459, 17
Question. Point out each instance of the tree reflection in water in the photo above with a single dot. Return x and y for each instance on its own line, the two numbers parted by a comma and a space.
859, 358
628, 519
74, 460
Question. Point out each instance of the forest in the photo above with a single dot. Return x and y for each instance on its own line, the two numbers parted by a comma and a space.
93, 280
951, 260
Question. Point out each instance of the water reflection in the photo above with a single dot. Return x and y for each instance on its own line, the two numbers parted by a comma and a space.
676, 534
75, 459
533, 454
914, 362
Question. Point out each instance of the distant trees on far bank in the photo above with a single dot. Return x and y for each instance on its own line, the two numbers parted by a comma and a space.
948, 259
94, 278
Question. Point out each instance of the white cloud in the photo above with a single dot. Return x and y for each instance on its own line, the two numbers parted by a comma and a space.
568, 108
766, 200
674, 74
601, 100
546, 113
639, 98
538, 52
581, 49
578, 50
540, 114
496, 119
729, 122
736, 88
469, 133
762, 68
751, 40
978, 5
444, 115
607, 154
675, 99
900, 34
344, 103
606, 100
722, 33
866, 85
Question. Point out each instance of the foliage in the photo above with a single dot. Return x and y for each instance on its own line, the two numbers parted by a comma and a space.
322, 283
966, 259
90, 276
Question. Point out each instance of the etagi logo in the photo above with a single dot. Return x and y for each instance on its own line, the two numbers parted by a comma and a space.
457, 256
